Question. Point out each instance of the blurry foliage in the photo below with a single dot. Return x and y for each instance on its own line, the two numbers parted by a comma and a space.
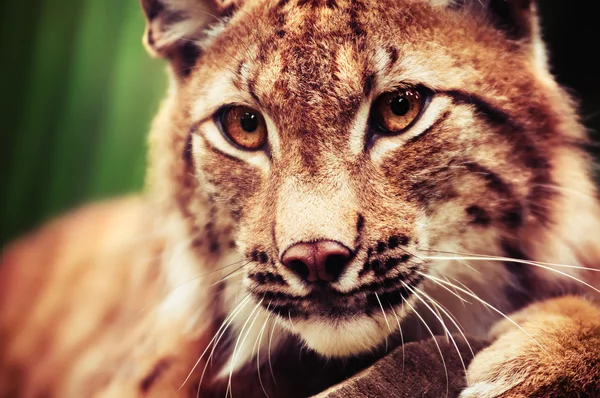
79, 92
78, 95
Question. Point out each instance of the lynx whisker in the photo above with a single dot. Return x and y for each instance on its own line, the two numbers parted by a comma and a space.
483, 257
401, 336
229, 276
435, 341
221, 332
386, 320
224, 324
462, 299
212, 272
443, 284
450, 316
255, 346
235, 348
505, 259
441, 321
259, 341
566, 189
269, 354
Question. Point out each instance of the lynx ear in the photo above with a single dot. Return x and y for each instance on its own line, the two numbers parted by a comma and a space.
517, 18
174, 26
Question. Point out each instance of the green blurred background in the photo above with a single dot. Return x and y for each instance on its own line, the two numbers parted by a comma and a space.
79, 92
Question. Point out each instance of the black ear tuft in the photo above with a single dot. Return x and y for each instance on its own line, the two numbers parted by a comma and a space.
517, 18
152, 8
513, 16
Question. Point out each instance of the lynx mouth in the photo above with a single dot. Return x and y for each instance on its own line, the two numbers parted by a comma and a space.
327, 304
340, 325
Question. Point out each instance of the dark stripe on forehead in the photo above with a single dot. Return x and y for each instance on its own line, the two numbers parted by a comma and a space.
280, 18
252, 90
239, 68
369, 82
393, 54
355, 8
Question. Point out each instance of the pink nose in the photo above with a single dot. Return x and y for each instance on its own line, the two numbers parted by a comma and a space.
317, 261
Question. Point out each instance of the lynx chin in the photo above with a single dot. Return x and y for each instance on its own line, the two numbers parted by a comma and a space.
325, 177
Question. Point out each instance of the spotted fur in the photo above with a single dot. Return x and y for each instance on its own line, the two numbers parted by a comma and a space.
492, 168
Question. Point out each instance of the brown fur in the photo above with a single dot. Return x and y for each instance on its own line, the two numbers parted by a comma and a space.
498, 171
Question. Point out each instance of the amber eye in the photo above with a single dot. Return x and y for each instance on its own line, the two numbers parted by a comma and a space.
395, 111
244, 126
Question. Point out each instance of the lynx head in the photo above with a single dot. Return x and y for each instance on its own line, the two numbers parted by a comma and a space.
343, 146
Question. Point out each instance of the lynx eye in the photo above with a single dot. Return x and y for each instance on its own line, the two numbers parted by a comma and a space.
243, 126
395, 111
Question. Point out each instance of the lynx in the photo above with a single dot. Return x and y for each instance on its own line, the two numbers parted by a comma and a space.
325, 176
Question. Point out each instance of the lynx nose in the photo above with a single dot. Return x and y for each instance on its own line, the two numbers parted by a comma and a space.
317, 261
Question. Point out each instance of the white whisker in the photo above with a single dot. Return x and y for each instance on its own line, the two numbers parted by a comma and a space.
441, 321
461, 284
448, 314
235, 348
227, 322
442, 283
234, 274
462, 299
386, 321
505, 259
568, 190
259, 340
435, 341
456, 324
401, 336
269, 354
213, 271
483, 257
239, 306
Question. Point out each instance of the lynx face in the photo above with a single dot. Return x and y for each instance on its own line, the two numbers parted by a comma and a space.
349, 141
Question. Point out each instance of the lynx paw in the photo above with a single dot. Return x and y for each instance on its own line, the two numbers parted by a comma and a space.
484, 390
555, 352
499, 369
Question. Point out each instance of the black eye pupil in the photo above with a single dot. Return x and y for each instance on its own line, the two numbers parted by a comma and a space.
249, 122
400, 105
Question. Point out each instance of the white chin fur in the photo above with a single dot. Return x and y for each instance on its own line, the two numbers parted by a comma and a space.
346, 337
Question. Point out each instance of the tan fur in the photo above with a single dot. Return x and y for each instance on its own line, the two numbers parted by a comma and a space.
121, 299
78, 299
558, 355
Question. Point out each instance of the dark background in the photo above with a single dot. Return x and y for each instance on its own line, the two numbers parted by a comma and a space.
78, 93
